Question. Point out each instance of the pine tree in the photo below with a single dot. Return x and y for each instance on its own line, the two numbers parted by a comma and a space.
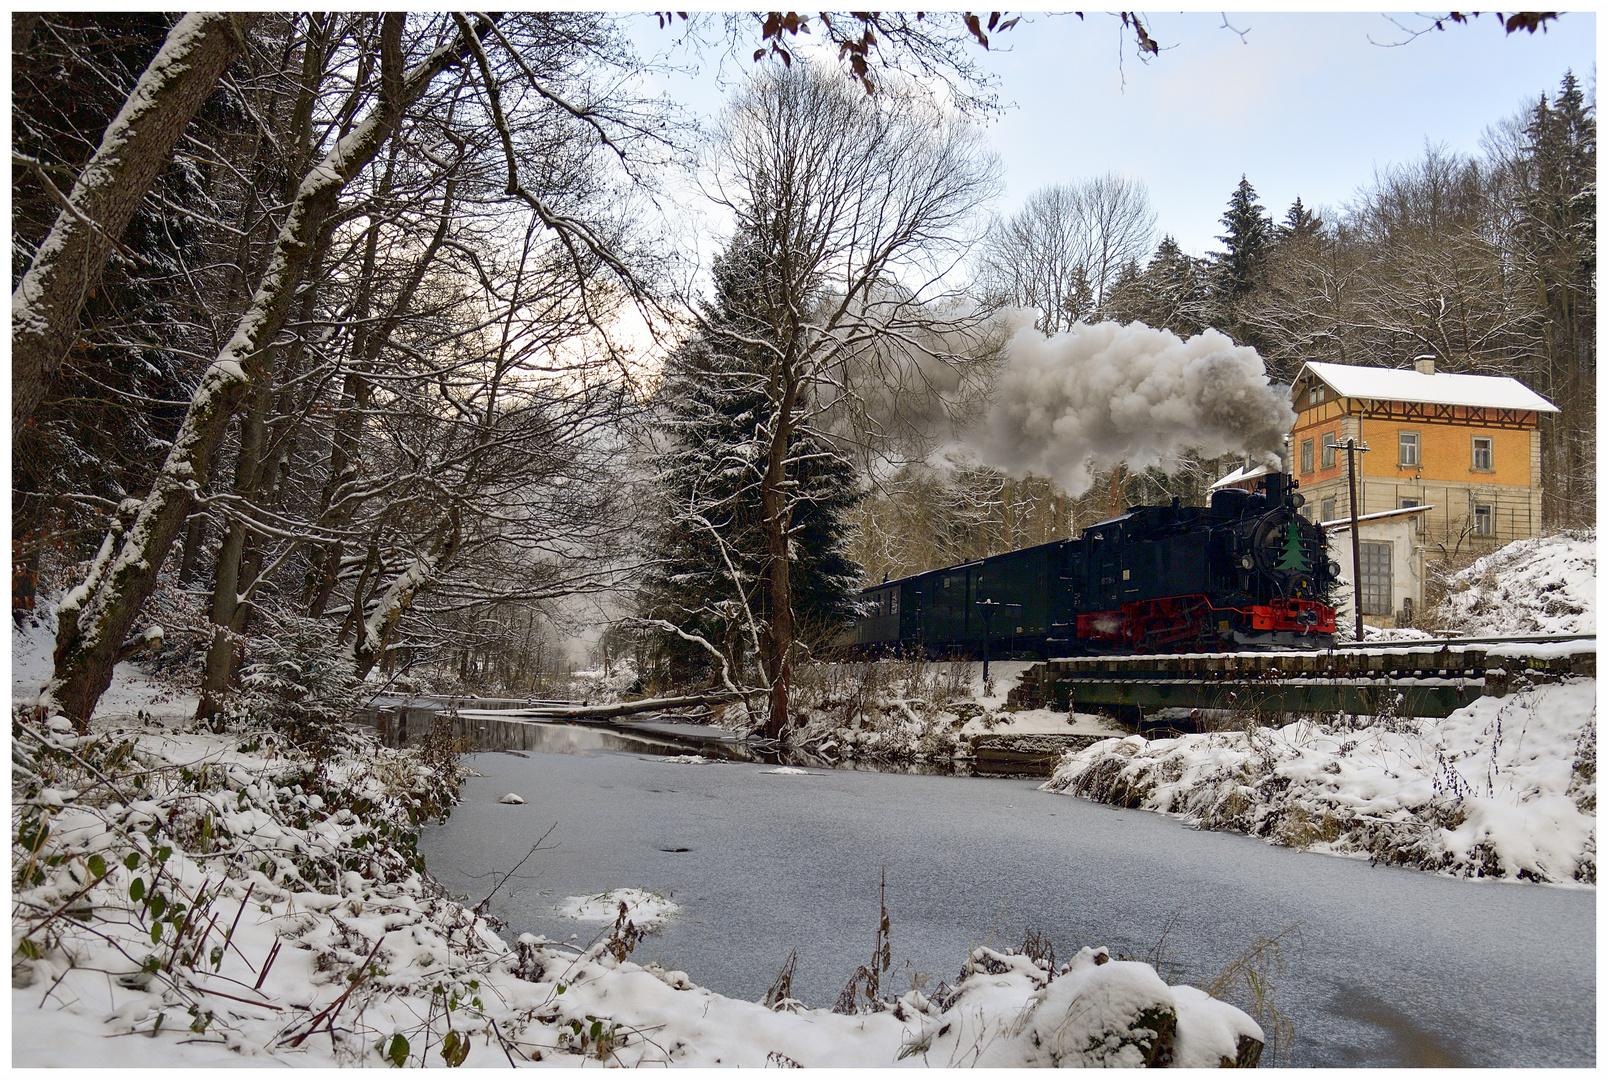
1170, 294
1299, 224
1238, 270
710, 550
1557, 241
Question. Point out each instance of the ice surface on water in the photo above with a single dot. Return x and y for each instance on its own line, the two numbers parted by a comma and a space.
1392, 967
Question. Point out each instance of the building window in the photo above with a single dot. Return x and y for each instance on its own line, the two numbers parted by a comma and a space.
1375, 577
1418, 519
1306, 455
1328, 450
1327, 513
1407, 448
1484, 520
1483, 453
1315, 395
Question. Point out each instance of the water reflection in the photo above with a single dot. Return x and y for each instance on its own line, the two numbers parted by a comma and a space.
404, 726
484, 734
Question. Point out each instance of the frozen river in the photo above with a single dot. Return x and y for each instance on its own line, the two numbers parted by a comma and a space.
1392, 967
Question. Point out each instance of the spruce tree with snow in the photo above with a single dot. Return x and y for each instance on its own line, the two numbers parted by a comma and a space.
709, 547
1556, 233
1299, 224
1170, 294
1238, 270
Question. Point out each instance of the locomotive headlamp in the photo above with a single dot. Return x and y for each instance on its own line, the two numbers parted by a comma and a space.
1248, 562
1297, 500
1334, 568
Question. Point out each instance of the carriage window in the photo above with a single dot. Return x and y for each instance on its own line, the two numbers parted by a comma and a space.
1482, 454
1306, 455
1375, 578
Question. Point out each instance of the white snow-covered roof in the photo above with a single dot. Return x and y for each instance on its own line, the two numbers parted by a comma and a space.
1345, 522
1392, 384
1240, 475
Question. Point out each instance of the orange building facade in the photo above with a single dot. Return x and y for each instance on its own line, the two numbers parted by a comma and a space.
1467, 446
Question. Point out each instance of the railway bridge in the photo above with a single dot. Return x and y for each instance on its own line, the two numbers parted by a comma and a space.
1420, 678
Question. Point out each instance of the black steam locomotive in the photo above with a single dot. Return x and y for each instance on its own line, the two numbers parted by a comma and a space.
1245, 572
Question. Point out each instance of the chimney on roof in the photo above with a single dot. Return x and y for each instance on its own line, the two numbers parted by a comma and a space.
1425, 364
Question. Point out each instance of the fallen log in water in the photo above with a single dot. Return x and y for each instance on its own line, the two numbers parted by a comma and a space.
620, 708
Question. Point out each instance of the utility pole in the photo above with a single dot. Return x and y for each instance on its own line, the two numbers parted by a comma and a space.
988, 607
1356, 544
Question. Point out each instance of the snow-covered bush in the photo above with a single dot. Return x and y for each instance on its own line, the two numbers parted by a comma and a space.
896, 708
297, 676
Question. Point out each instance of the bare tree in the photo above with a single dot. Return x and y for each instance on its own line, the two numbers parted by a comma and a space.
1063, 250
136, 146
858, 208
379, 93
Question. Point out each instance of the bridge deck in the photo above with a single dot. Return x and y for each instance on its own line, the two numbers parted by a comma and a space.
1411, 679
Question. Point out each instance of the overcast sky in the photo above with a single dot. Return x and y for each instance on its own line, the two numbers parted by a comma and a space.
1305, 105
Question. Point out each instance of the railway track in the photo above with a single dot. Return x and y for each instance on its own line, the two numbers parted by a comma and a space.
1412, 678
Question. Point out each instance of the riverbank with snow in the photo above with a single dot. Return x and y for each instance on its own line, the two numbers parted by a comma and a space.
1504, 788
903, 710
247, 897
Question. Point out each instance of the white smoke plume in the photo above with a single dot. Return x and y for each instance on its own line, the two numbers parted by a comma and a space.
1072, 404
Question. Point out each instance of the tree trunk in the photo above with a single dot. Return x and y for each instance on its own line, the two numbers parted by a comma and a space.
135, 147
97, 616
777, 641
375, 631
226, 599
195, 535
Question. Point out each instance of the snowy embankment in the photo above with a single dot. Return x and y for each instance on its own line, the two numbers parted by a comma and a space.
245, 898
917, 710
1505, 787
1546, 585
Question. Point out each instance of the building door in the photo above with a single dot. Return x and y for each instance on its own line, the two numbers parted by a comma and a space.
1375, 578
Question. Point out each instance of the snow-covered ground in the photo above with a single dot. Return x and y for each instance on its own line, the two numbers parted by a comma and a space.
237, 899
1505, 787
920, 710
1545, 585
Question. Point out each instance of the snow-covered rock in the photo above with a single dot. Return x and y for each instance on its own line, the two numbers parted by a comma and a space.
645, 909
512, 799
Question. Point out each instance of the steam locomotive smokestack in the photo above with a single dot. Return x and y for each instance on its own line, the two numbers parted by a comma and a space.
1076, 403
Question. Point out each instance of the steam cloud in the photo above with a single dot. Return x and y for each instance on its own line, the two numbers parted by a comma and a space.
1070, 405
